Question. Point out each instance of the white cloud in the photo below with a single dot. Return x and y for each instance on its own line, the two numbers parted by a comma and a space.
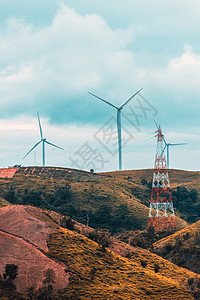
51, 67
75, 53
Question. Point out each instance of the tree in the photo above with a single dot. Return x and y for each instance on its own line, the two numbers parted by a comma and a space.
45, 292
11, 272
49, 277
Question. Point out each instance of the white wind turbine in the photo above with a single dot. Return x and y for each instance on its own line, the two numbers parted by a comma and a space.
43, 141
118, 108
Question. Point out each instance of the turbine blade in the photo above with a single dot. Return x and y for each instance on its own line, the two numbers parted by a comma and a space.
40, 125
32, 149
164, 140
163, 151
53, 145
124, 103
156, 124
103, 100
177, 144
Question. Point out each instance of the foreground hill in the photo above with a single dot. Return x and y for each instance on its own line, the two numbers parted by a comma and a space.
24, 231
182, 247
86, 270
116, 201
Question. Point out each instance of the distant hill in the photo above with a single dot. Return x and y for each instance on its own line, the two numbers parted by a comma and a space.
182, 247
34, 241
116, 201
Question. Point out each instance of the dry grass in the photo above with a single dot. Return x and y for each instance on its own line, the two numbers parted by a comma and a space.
183, 247
3, 202
106, 275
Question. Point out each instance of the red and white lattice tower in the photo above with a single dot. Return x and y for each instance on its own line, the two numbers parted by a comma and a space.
161, 212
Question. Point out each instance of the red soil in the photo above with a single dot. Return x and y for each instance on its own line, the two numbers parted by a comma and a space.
31, 262
23, 241
8, 172
24, 221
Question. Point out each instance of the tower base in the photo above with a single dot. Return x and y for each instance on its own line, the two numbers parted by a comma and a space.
162, 223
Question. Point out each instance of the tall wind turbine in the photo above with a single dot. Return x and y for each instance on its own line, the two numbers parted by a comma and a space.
43, 141
167, 145
118, 108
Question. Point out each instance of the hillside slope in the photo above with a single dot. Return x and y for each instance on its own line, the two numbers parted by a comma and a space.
102, 274
24, 232
189, 179
182, 247
185, 186
85, 270
115, 201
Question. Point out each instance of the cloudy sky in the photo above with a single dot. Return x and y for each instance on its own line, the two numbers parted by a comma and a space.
53, 52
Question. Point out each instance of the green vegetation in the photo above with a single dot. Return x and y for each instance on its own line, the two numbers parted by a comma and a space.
186, 203
11, 272
182, 247
112, 202
7, 286
62, 200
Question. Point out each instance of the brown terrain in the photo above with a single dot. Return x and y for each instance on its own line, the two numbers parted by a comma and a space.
24, 231
31, 238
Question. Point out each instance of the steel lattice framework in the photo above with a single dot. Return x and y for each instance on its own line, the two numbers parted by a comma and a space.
161, 212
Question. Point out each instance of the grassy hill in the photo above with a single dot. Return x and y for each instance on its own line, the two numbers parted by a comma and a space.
116, 201
83, 268
102, 274
182, 248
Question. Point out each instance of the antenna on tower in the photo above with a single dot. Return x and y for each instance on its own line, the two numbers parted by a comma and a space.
161, 212
167, 146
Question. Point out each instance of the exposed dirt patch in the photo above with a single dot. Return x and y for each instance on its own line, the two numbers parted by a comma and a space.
24, 231
31, 262
25, 221
8, 172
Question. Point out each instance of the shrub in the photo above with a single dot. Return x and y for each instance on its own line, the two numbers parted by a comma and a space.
156, 268
143, 263
11, 272
67, 222
101, 236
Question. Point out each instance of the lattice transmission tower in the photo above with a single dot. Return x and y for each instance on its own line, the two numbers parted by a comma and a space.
161, 212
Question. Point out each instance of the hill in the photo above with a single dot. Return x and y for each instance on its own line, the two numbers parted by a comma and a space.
182, 248
116, 201
24, 231
86, 270
185, 187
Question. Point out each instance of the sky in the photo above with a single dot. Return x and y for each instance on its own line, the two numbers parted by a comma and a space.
53, 52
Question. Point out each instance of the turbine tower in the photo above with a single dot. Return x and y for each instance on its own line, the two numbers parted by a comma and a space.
119, 109
161, 212
168, 145
43, 141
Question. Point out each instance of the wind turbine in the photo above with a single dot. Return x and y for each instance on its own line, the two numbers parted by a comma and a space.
167, 145
118, 108
43, 141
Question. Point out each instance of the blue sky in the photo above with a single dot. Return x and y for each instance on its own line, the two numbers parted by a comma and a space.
53, 52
